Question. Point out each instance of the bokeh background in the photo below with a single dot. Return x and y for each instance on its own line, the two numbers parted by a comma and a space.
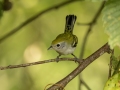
30, 44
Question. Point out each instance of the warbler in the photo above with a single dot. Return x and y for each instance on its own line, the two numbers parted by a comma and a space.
66, 42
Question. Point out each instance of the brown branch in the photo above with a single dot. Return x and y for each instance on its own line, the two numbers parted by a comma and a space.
36, 63
81, 67
91, 24
35, 17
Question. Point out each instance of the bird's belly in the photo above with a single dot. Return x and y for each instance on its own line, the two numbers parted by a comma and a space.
69, 50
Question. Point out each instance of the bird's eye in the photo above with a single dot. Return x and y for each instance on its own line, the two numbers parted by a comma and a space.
58, 45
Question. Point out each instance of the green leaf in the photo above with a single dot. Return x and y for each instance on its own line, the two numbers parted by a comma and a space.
113, 83
111, 19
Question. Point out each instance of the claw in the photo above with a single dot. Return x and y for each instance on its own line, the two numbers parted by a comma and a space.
57, 59
76, 59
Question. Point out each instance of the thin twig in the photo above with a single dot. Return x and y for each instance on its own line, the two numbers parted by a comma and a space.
117, 67
85, 84
35, 17
110, 66
38, 62
81, 67
91, 24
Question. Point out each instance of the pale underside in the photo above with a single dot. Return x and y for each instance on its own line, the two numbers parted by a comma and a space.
64, 49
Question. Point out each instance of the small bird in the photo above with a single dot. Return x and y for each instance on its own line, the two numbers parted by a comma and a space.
66, 42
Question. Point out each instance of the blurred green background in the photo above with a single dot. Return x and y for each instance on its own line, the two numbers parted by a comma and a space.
30, 44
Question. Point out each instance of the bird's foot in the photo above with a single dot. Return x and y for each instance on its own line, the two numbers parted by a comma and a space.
76, 59
57, 59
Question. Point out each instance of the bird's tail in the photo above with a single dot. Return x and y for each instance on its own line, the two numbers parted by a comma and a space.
70, 21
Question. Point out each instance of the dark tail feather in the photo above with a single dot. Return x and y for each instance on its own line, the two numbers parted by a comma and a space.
70, 21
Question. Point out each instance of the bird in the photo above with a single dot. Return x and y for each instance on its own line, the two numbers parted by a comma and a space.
66, 42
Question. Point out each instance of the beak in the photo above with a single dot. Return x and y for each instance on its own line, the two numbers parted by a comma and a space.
49, 48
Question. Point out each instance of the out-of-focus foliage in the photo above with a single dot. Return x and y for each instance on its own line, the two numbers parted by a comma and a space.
30, 44
113, 83
96, 0
111, 18
1, 8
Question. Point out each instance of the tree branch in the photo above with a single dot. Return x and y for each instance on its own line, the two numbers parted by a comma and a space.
91, 24
81, 67
35, 17
36, 63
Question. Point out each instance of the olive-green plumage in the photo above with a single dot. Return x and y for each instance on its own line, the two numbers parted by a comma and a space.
66, 42
68, 32
67, 37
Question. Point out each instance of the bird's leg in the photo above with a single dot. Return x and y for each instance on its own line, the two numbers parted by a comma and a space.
57, 59
76, 59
